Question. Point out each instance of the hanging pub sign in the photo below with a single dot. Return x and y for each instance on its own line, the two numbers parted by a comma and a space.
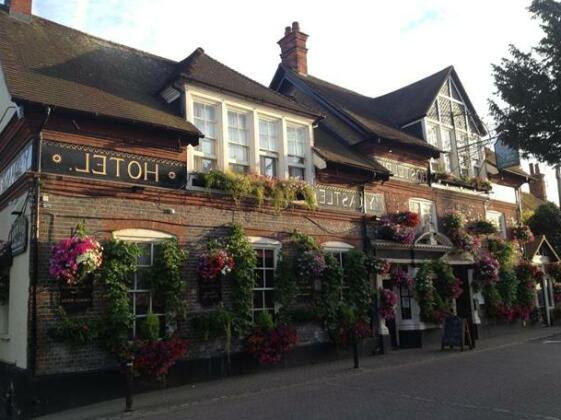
334, 198
506, 156
102, 164
18, 235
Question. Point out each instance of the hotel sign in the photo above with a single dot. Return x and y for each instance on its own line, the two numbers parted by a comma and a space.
87, 162
333, 198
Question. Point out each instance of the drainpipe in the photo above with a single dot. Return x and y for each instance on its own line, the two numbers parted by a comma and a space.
35, 245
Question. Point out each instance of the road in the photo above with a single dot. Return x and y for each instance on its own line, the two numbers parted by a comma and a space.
518, 381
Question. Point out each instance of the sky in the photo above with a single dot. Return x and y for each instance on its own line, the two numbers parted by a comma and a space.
372, 46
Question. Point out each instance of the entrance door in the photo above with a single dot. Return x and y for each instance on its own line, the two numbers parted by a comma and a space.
463, 303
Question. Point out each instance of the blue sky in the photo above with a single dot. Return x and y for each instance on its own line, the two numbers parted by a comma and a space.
369, 46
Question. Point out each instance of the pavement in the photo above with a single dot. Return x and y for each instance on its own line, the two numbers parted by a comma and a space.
508, 377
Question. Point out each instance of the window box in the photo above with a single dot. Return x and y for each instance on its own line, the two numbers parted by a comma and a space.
473, 183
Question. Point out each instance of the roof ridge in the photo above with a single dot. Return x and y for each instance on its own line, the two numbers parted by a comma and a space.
280, 95
98, 38
334, 85
446, 69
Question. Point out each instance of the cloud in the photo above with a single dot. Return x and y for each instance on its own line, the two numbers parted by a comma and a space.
428, 16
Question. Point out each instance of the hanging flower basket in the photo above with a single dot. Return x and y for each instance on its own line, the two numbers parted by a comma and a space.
74, 258
487, 269
388, 300
215, 263
522, 234
401, 278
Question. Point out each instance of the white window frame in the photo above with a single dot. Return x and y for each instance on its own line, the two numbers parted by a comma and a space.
141, 236
198, 152
494, 216
265, 244
231, 143
421, 202
474, 149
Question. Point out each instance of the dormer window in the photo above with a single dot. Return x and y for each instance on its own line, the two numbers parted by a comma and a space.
296, 151
246, 137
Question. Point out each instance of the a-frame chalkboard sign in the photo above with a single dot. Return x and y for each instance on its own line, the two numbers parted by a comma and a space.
456, 333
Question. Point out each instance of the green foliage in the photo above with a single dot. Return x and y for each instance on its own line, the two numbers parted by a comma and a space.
483, 227
302, 315
303, 242
507, 286
492, 299
150, 328
357, 280
424, 292
166, 277
281, 193
503, 251
74, 331
119, 262
328, 301
435, 289
528, 83
286, 288
243, 279
214, 324
264, 321
547, 221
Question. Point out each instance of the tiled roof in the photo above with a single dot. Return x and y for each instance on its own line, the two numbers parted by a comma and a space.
47, 63
350, 109
201, 68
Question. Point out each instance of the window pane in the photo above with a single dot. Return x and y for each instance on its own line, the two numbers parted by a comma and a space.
296, 172
269, 258
239, 154
269, 302
268, 166
239, 169
296, 140
432, 135
269, 278
268, 135
259, 279
205, 119
258, 299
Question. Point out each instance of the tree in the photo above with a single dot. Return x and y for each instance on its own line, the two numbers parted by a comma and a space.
529, 86
547, 221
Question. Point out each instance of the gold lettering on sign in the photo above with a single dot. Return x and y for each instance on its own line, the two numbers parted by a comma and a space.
85, 170
102, 163
138, 168
154, 172
118, 161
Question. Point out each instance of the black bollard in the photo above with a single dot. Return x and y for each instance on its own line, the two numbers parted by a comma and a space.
355, 349
129, 378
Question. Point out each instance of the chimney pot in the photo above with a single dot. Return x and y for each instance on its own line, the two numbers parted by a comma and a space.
294, 53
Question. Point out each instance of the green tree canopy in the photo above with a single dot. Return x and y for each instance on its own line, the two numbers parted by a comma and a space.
528, 106
546, 220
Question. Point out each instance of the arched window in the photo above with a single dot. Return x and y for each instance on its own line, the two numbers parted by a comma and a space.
267, 251
142, 301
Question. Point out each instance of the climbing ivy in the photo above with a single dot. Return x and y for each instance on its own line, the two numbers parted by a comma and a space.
243, 279
286, 288
119, 262
166, 278
360, 291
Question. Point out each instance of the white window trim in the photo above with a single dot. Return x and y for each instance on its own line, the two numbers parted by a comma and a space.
148, 237
261, 243
336, 246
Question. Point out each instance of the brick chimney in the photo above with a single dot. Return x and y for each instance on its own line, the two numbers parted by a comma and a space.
294, 53
537, 184
19, 8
